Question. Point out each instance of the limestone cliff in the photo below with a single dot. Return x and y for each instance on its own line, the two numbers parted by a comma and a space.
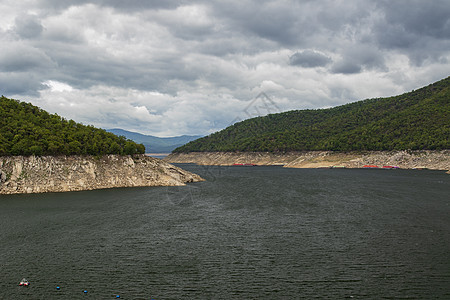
33, 174
437, 160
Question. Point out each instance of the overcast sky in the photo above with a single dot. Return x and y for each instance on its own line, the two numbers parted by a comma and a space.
169, 67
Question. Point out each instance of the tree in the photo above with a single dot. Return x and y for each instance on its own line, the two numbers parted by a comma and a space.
28, 130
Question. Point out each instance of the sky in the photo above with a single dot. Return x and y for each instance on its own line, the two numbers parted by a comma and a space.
176, 67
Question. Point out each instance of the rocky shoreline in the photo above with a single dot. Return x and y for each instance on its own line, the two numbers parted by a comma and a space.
426, 159
19, 174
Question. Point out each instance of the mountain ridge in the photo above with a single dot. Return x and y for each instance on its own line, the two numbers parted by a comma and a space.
418, 120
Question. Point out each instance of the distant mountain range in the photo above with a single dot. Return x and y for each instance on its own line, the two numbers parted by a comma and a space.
418, 120
155, 144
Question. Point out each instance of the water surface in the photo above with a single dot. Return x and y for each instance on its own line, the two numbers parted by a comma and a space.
245, 233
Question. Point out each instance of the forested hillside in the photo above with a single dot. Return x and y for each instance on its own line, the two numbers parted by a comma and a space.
412, 121
28, 130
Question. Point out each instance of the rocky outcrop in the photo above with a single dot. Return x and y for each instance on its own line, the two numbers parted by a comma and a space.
75, 173
437, 160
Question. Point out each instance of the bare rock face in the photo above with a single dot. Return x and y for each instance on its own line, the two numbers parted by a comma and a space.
33, 174
436, 160
230, 158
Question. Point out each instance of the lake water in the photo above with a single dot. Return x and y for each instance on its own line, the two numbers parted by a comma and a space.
246, 233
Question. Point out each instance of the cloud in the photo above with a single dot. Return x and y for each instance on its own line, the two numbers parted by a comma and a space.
129, 6
359, 58
419, 30
147, 112
28, 26
18, 57
347, 67
309, 59
419, 18
56, 86
20, 85
188, 22
191, 67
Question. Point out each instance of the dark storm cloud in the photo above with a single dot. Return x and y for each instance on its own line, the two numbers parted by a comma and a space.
347, 67
20, 84
20, 58
137, 5
271, 20
421, 18
420, 29
85, 67
292, 23
309, 59
360, 58
128, 6
28, 26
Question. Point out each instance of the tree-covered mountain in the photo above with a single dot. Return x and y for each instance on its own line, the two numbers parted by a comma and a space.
28, 130
155, 144
412, 121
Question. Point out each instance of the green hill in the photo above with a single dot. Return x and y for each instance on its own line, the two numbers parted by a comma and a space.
28, 130
413, 121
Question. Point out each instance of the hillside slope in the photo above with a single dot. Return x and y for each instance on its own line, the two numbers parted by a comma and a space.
155, 144
28, 130
418, 120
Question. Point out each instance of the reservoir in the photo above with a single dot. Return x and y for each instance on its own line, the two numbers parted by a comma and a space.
244, 233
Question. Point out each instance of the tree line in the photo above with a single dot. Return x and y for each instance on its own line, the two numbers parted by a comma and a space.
28, 130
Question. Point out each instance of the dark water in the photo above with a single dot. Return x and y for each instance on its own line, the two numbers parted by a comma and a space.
246, 233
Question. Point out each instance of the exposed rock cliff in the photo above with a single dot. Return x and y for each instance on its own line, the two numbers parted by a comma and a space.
33, 174
438, 160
